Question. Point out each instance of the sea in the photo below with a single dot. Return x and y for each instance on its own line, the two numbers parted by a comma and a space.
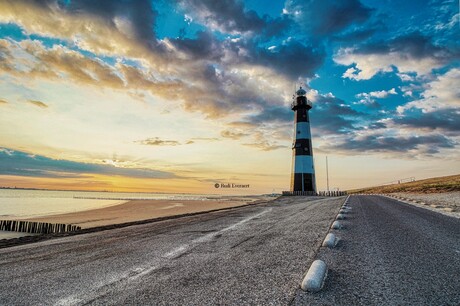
21, 203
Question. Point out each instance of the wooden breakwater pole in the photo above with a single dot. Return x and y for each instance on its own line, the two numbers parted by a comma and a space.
36, 227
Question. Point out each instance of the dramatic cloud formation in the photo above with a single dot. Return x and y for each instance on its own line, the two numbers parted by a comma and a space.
213, 77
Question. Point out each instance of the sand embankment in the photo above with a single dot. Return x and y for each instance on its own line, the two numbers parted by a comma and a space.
138, 210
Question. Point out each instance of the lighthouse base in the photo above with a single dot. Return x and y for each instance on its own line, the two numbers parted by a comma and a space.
303, 182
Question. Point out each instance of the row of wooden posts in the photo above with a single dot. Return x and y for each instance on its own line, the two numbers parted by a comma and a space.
312, 193
36, 227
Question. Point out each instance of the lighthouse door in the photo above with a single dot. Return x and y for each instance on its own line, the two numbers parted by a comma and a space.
307, 181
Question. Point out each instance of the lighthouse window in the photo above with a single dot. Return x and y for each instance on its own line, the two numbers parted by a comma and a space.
298, 132
297, 145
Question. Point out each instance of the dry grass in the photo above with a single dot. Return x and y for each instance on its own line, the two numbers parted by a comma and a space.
432, 185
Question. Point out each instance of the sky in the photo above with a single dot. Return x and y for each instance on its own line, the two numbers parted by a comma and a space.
178, 95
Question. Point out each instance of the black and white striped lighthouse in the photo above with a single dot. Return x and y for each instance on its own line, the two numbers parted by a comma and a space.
303, 171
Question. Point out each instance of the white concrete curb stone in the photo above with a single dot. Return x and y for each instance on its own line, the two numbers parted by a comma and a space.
316, 275
336, 225
330, 241
340, 217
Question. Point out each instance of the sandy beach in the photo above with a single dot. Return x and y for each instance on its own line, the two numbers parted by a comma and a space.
138, 210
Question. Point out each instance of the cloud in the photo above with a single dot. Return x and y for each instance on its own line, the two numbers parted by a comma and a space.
38, 103
447, 119
265, 146
415, 144
262, 143
293, 58
331, 115
134, 18
325, 17
231, 16
86, 23
214, 76
24, 164
204, 46
235, 135
381, 94
441, 93
208, 139
156, 141
356, 35
201, 87
2, 102
438, 107
272, 113
32, 59
228, 16
410, 53
369, 98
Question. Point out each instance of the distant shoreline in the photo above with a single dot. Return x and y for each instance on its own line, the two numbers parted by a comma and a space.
143, 192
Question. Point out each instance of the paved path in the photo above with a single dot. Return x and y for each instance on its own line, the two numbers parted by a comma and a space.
391, 253
256, 255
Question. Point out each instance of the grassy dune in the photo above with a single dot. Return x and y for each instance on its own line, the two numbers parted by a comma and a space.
431, 185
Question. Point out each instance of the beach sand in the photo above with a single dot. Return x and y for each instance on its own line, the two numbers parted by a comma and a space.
138, 210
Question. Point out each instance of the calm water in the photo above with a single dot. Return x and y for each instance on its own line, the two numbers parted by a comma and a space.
33, 203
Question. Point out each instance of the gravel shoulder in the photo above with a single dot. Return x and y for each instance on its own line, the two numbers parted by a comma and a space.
447, 203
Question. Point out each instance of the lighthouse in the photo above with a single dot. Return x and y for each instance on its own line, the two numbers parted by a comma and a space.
303, 172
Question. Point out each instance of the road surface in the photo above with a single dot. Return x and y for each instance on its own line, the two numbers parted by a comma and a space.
391, 253
253, 255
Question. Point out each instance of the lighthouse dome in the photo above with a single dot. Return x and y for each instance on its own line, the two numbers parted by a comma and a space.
301, 92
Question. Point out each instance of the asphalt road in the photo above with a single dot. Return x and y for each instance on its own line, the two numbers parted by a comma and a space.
256, 255
391, 253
